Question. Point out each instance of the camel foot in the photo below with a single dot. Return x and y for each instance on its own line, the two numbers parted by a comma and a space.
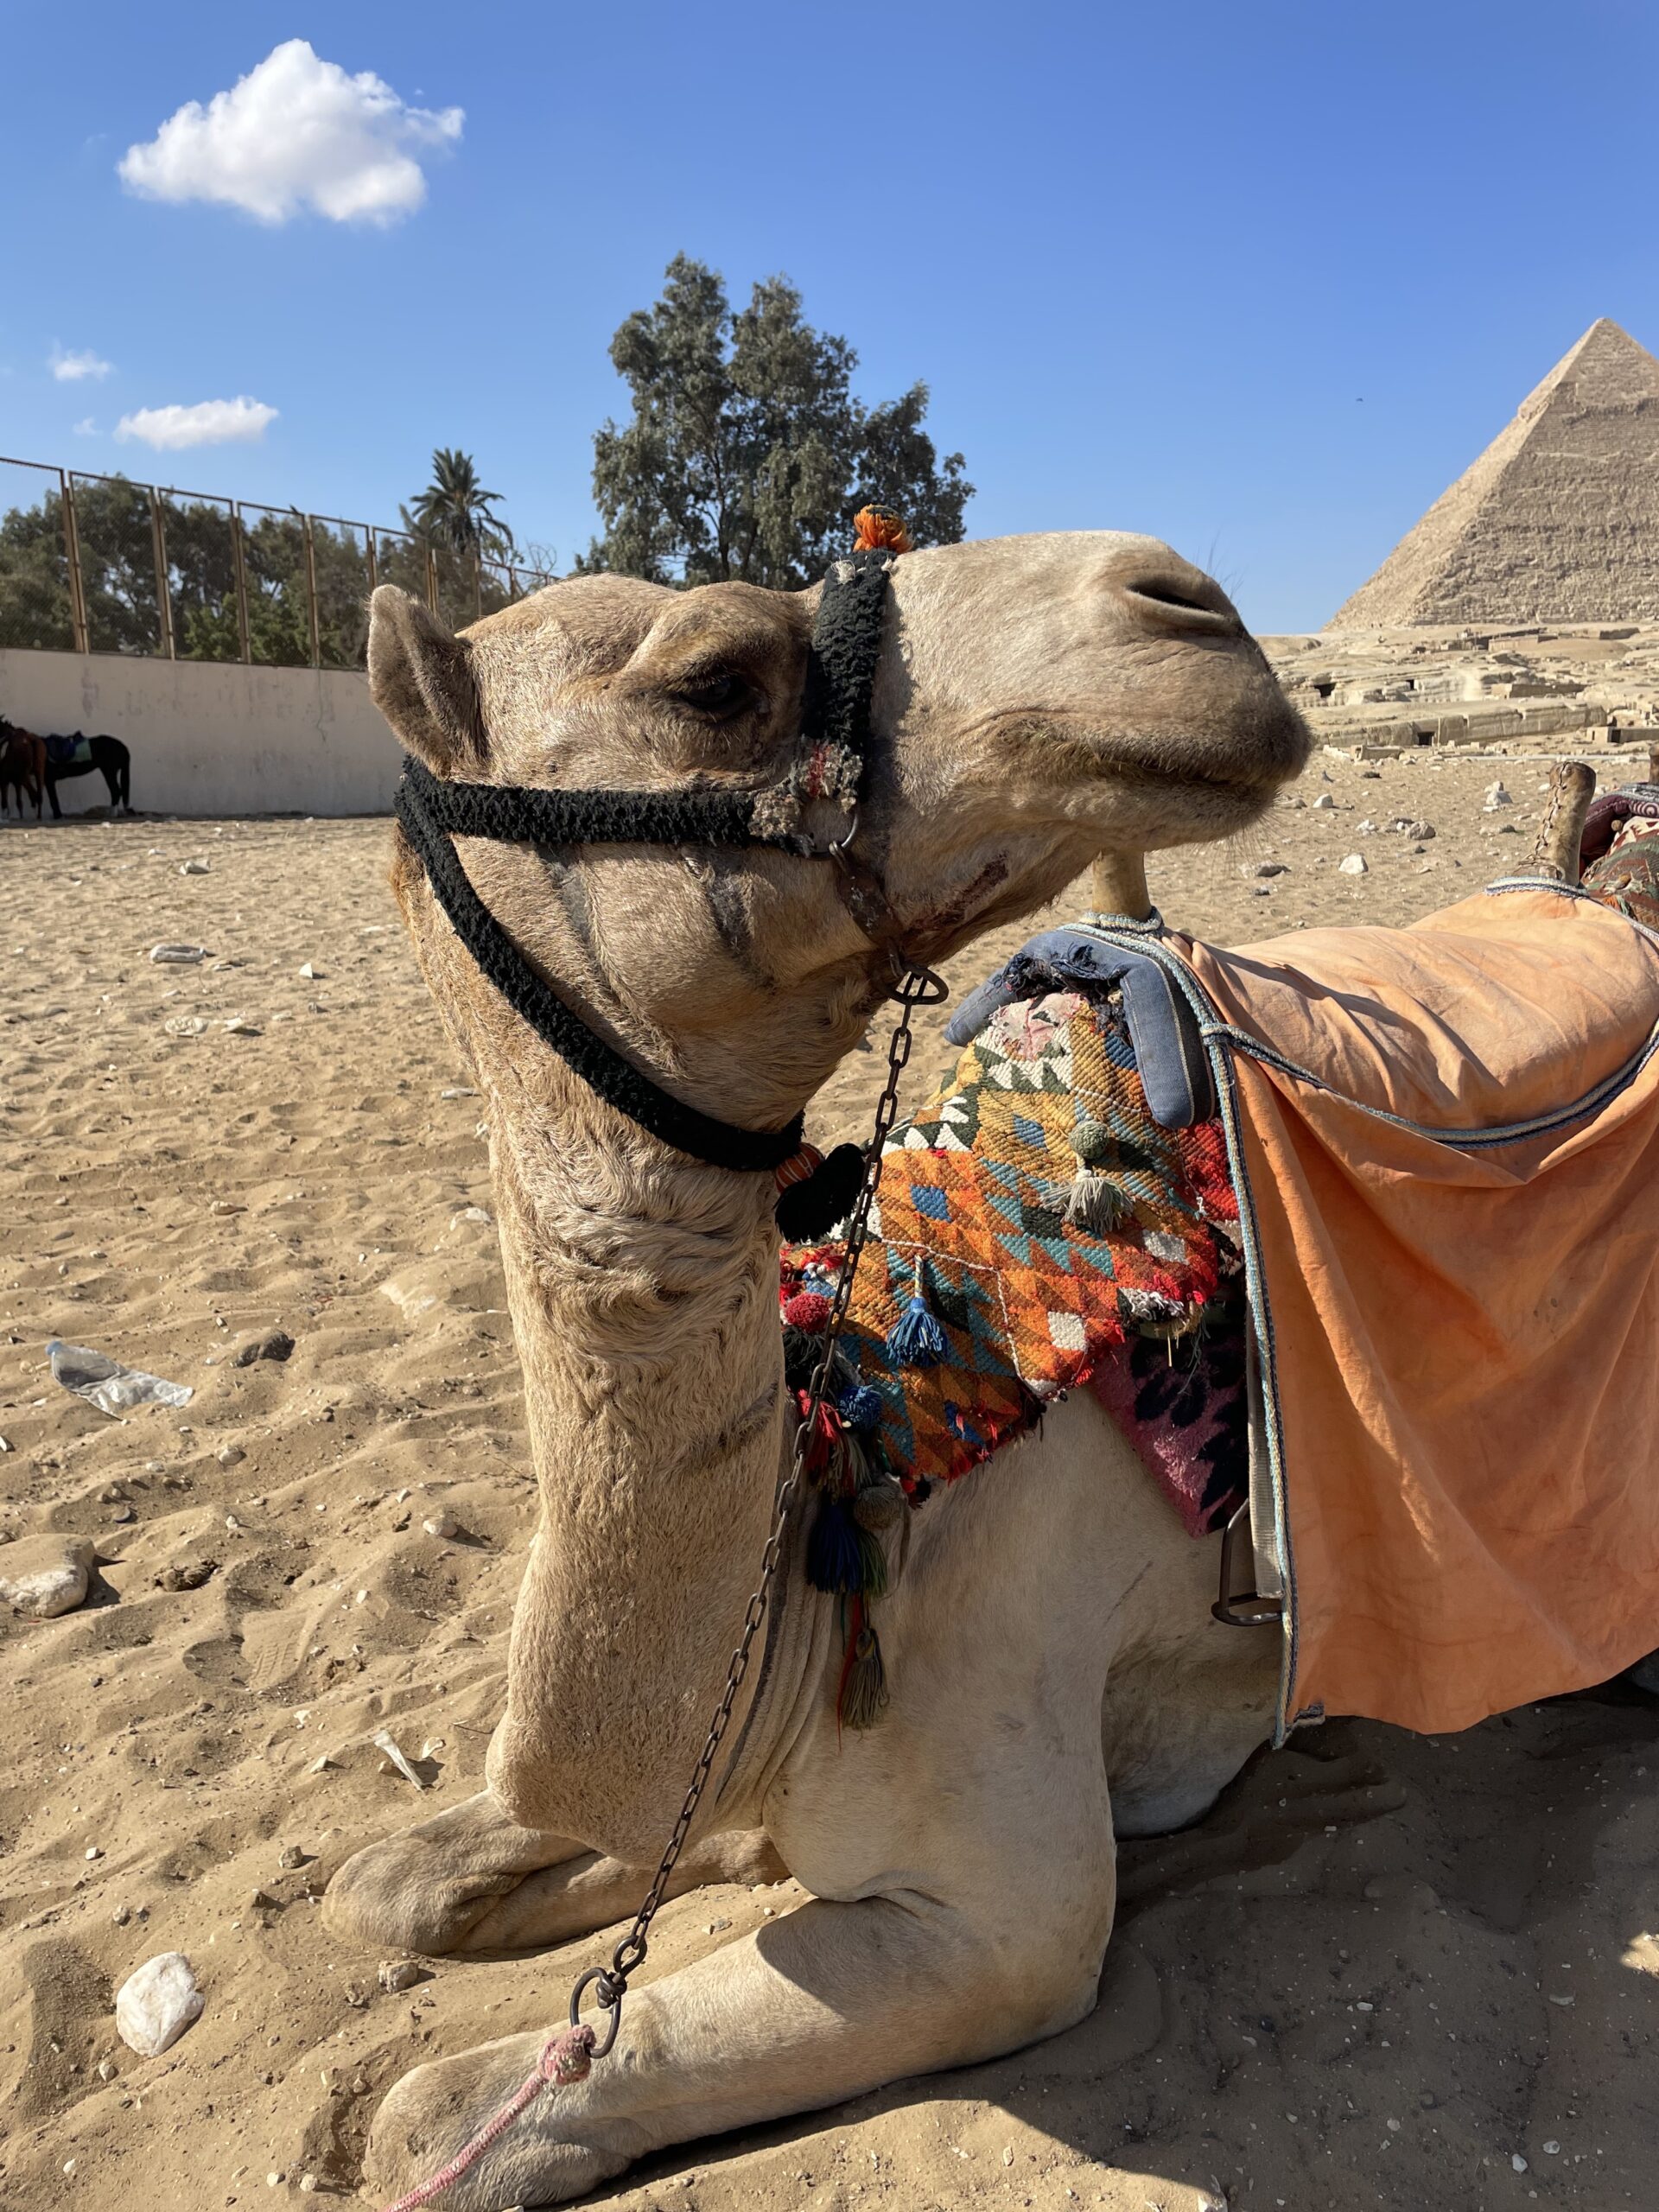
472, 1880
429, 2114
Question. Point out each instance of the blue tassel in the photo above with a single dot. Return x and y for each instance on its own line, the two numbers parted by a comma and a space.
917, 1339
834, 1560
860, 1406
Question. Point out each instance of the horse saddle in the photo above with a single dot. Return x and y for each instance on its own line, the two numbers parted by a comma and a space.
73, 752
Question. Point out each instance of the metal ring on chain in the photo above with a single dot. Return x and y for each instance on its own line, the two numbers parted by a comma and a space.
610, 2000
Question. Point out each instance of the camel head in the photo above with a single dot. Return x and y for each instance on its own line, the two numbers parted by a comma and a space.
1039, 702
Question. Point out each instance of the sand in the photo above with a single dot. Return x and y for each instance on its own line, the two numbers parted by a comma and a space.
1383, 1972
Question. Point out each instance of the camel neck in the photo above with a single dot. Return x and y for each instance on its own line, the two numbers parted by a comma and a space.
643, 1288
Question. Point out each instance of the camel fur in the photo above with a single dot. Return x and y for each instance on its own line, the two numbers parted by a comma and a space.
1040, 701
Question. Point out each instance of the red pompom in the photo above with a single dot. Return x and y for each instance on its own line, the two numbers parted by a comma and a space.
808, 1310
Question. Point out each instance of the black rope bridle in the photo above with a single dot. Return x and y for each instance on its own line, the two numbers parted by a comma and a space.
836, 733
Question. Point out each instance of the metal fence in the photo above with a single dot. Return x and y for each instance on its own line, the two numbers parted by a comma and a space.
101, 564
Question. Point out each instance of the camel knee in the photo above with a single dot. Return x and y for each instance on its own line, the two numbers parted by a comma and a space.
427, 1888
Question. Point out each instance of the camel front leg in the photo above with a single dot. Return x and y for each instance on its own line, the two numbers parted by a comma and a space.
834, 2000
471, 1879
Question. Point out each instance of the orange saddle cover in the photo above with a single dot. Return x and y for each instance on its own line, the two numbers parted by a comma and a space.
1461, 1302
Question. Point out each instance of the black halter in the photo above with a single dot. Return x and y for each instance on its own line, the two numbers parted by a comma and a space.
836, 729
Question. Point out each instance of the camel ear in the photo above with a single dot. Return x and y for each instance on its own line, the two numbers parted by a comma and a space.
420, 678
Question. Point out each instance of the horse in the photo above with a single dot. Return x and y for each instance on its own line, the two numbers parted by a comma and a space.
112, 761
22, 765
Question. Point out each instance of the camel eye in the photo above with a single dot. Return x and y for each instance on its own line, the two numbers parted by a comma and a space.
723, 696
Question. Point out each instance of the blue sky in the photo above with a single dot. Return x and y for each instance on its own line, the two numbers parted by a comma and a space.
1260, 279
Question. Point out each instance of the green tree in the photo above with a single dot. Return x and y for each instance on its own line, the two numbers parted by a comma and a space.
747, 454
457, 512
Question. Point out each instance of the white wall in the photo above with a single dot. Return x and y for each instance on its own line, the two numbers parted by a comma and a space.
211, 739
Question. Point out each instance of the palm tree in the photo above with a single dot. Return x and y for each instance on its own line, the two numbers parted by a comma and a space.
455, 510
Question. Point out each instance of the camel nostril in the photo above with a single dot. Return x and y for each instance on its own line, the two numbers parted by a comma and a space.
1174, 604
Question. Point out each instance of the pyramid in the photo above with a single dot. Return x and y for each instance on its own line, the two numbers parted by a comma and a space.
1558, 521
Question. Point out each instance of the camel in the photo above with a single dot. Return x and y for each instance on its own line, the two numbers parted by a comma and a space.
1040, 702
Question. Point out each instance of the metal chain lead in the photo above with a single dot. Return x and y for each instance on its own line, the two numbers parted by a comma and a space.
915, 986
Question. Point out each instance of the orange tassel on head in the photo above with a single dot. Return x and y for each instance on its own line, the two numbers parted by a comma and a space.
876, 526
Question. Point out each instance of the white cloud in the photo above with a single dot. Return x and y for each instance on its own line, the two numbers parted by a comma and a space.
296, 132
71, 368
87, 428
209, 423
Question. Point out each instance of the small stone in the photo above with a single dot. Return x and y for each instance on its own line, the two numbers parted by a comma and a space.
106, 2069
1366, 828
356, 1996
230, 1455
1263, 868
45, 1576
1354, 864
1325, 804
263, 1901
1496, 796
458, 1090
239, 1026
177, 955
156, 2003
307, 2184
441, 1524
474, 1213
93, 1851
194, 867
398, 1973
124, 1514
1517, 2162
187, 1575
275, 1343
122, 1915
292, 1856
1552, 2149
310, 973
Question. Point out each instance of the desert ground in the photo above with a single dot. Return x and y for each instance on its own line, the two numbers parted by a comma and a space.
1383, 1972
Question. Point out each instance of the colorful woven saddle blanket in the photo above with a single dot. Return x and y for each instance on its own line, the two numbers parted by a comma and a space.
1037, 1229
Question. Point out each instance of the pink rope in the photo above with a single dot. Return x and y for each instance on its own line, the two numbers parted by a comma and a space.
566, 2057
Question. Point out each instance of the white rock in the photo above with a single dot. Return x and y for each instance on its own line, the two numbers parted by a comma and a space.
177, 955
310, 973
1496, 796
194, 867
44, 1576
441, 1524
1518, 2162
239, 1026
1325, 804
1354, 864
155, 2005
